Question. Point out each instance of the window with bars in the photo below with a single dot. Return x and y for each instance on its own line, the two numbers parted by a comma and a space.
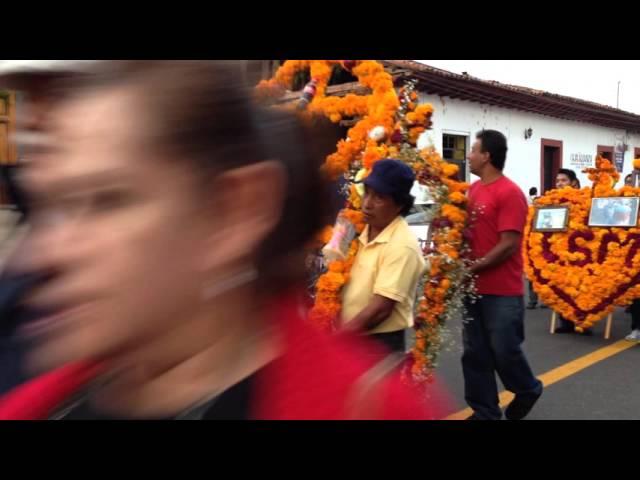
454, 150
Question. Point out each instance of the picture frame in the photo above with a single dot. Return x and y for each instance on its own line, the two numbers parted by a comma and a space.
621, 212
551, 218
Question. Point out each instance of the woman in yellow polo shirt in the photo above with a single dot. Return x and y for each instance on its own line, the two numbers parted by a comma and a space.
380, 295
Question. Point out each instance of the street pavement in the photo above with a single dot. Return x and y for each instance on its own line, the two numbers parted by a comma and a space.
606, 389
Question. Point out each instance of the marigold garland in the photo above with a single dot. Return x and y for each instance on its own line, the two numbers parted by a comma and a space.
377, 109
584, 272
448, 280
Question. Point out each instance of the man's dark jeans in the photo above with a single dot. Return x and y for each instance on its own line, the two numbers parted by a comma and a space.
493, 332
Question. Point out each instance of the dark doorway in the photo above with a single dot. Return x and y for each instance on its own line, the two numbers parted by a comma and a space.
606, 152
550, 163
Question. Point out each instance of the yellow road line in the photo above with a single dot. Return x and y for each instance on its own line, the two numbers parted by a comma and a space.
560, 373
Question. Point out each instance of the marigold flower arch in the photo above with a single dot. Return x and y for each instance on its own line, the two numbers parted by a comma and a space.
403, 121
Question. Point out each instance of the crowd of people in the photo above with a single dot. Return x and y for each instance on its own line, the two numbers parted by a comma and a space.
163, 273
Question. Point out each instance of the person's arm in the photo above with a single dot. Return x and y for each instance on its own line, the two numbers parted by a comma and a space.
509, 242
378, 310
393, 284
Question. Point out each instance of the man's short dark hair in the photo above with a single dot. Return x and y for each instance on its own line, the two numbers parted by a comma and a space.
495, 143
571, 175
533, 191
406, 200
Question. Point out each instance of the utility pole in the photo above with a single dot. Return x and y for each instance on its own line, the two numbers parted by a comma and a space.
618, 96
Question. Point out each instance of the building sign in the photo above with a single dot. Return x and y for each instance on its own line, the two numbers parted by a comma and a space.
619, 161
579, 161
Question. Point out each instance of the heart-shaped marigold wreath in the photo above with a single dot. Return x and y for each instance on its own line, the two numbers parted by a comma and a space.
585, 272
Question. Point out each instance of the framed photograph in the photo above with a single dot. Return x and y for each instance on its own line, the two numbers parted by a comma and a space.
614, 212
551, 219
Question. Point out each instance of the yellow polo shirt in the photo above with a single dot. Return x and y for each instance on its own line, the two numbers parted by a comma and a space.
390, 266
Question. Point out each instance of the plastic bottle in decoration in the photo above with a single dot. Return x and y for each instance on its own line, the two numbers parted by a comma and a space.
308, 93
338, 247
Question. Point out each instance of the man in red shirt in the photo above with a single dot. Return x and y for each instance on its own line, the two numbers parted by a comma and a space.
494, 325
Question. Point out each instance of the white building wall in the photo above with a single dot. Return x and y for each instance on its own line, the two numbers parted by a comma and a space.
461, 117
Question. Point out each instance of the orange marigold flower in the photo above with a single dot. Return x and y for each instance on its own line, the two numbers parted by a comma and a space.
450, 169
457, 197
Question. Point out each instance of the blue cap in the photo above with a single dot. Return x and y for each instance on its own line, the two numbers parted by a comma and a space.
390, 177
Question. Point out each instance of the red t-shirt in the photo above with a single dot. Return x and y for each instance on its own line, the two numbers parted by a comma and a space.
494, 208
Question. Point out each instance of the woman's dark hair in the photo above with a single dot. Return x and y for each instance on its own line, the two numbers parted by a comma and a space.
533, 191
205, 112
495, 143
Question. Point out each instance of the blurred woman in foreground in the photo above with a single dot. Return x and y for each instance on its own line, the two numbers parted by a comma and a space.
171, 218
